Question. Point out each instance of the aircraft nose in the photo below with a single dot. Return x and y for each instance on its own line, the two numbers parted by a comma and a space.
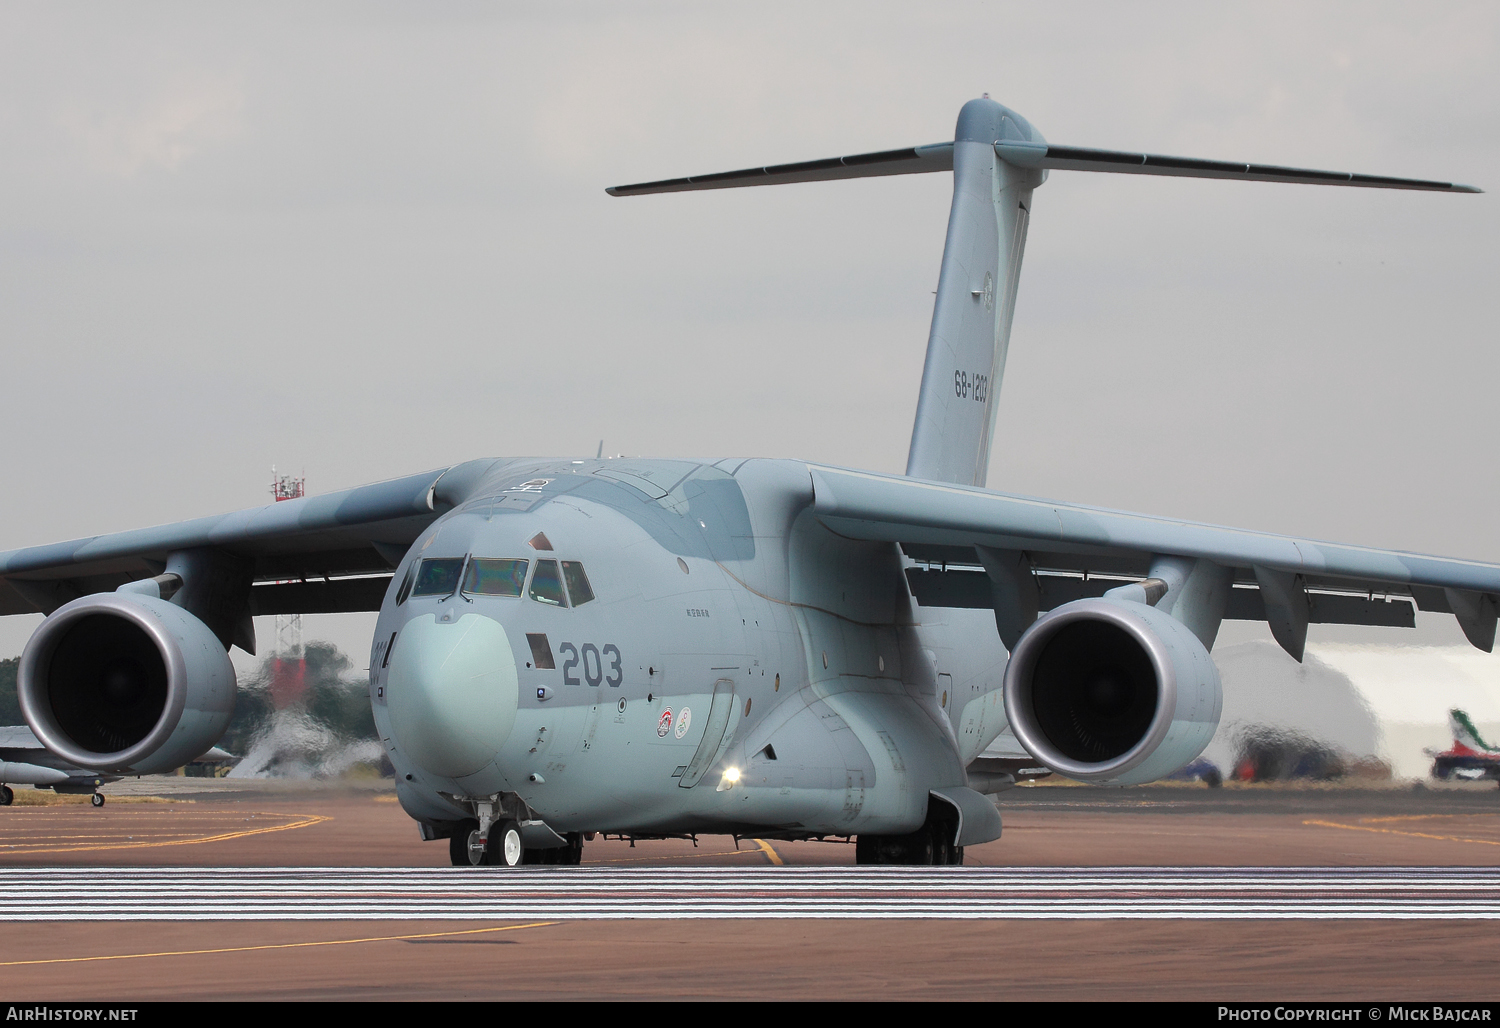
451, 692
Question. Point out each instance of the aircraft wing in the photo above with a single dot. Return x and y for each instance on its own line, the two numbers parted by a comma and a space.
1075, 551
316, 554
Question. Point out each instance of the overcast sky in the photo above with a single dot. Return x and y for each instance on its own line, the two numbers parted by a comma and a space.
366, 239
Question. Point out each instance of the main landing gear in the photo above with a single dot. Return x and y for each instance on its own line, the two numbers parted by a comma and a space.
7, 796
570, 855
932, 844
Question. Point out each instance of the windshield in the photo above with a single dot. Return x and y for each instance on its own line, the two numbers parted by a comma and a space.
438, 577
578, 582
489, 577
546, 584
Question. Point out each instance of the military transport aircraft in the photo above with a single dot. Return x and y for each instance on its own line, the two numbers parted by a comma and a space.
767, 647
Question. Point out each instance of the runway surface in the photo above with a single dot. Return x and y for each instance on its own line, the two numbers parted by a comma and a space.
183, 889
538, 894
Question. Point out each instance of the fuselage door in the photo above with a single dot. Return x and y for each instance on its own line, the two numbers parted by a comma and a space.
716, 734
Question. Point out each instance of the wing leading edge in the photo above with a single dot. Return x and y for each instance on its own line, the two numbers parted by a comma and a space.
1055, 543
318, 554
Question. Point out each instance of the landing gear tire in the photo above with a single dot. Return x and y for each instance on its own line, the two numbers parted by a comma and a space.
504, 847
458, 845
97, 799
942, 848
570, 855
928, 846
7, 796
880, 850
914, 850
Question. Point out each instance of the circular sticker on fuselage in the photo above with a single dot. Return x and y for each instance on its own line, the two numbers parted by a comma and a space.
683, 720
664, 725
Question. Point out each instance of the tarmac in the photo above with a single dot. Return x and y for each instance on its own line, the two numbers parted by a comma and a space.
663, 950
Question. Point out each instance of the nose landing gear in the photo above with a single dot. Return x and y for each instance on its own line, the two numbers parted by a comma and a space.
499, 847
503, 847
495, 837
492, 841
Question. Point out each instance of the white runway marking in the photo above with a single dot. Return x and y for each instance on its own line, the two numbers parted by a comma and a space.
341, 894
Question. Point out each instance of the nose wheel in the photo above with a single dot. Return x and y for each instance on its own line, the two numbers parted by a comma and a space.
501, 848
97, 799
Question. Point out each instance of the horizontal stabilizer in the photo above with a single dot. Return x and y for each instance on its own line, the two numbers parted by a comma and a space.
1075, 158
914, 160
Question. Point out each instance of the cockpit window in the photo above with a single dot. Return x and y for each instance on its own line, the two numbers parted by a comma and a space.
488, 577
406, 583
578, 582
438, 576
546, 584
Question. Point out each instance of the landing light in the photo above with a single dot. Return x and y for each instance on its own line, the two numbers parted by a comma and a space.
730, 777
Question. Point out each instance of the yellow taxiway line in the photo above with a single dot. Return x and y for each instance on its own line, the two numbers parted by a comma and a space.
274, 945
1397, 831
304, 821
770, 852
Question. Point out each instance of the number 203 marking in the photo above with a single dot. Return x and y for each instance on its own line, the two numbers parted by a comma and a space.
593, 660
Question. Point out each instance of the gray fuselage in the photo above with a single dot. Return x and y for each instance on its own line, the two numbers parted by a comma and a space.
739, 667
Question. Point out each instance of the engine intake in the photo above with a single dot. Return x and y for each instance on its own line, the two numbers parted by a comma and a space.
125, 682
1111, 692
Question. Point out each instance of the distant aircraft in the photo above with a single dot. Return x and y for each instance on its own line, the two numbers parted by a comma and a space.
25, 761
774, 648
1470, 758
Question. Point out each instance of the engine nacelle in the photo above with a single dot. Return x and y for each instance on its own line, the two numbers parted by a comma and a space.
125, 682
1112, 692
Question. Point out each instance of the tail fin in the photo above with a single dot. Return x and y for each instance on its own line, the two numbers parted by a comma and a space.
997, 159
1465, 734
976, 297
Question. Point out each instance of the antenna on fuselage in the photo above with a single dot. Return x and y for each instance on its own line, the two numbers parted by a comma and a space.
997, 159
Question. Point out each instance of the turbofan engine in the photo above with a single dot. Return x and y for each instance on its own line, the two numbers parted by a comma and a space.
126, 682
1111, 692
